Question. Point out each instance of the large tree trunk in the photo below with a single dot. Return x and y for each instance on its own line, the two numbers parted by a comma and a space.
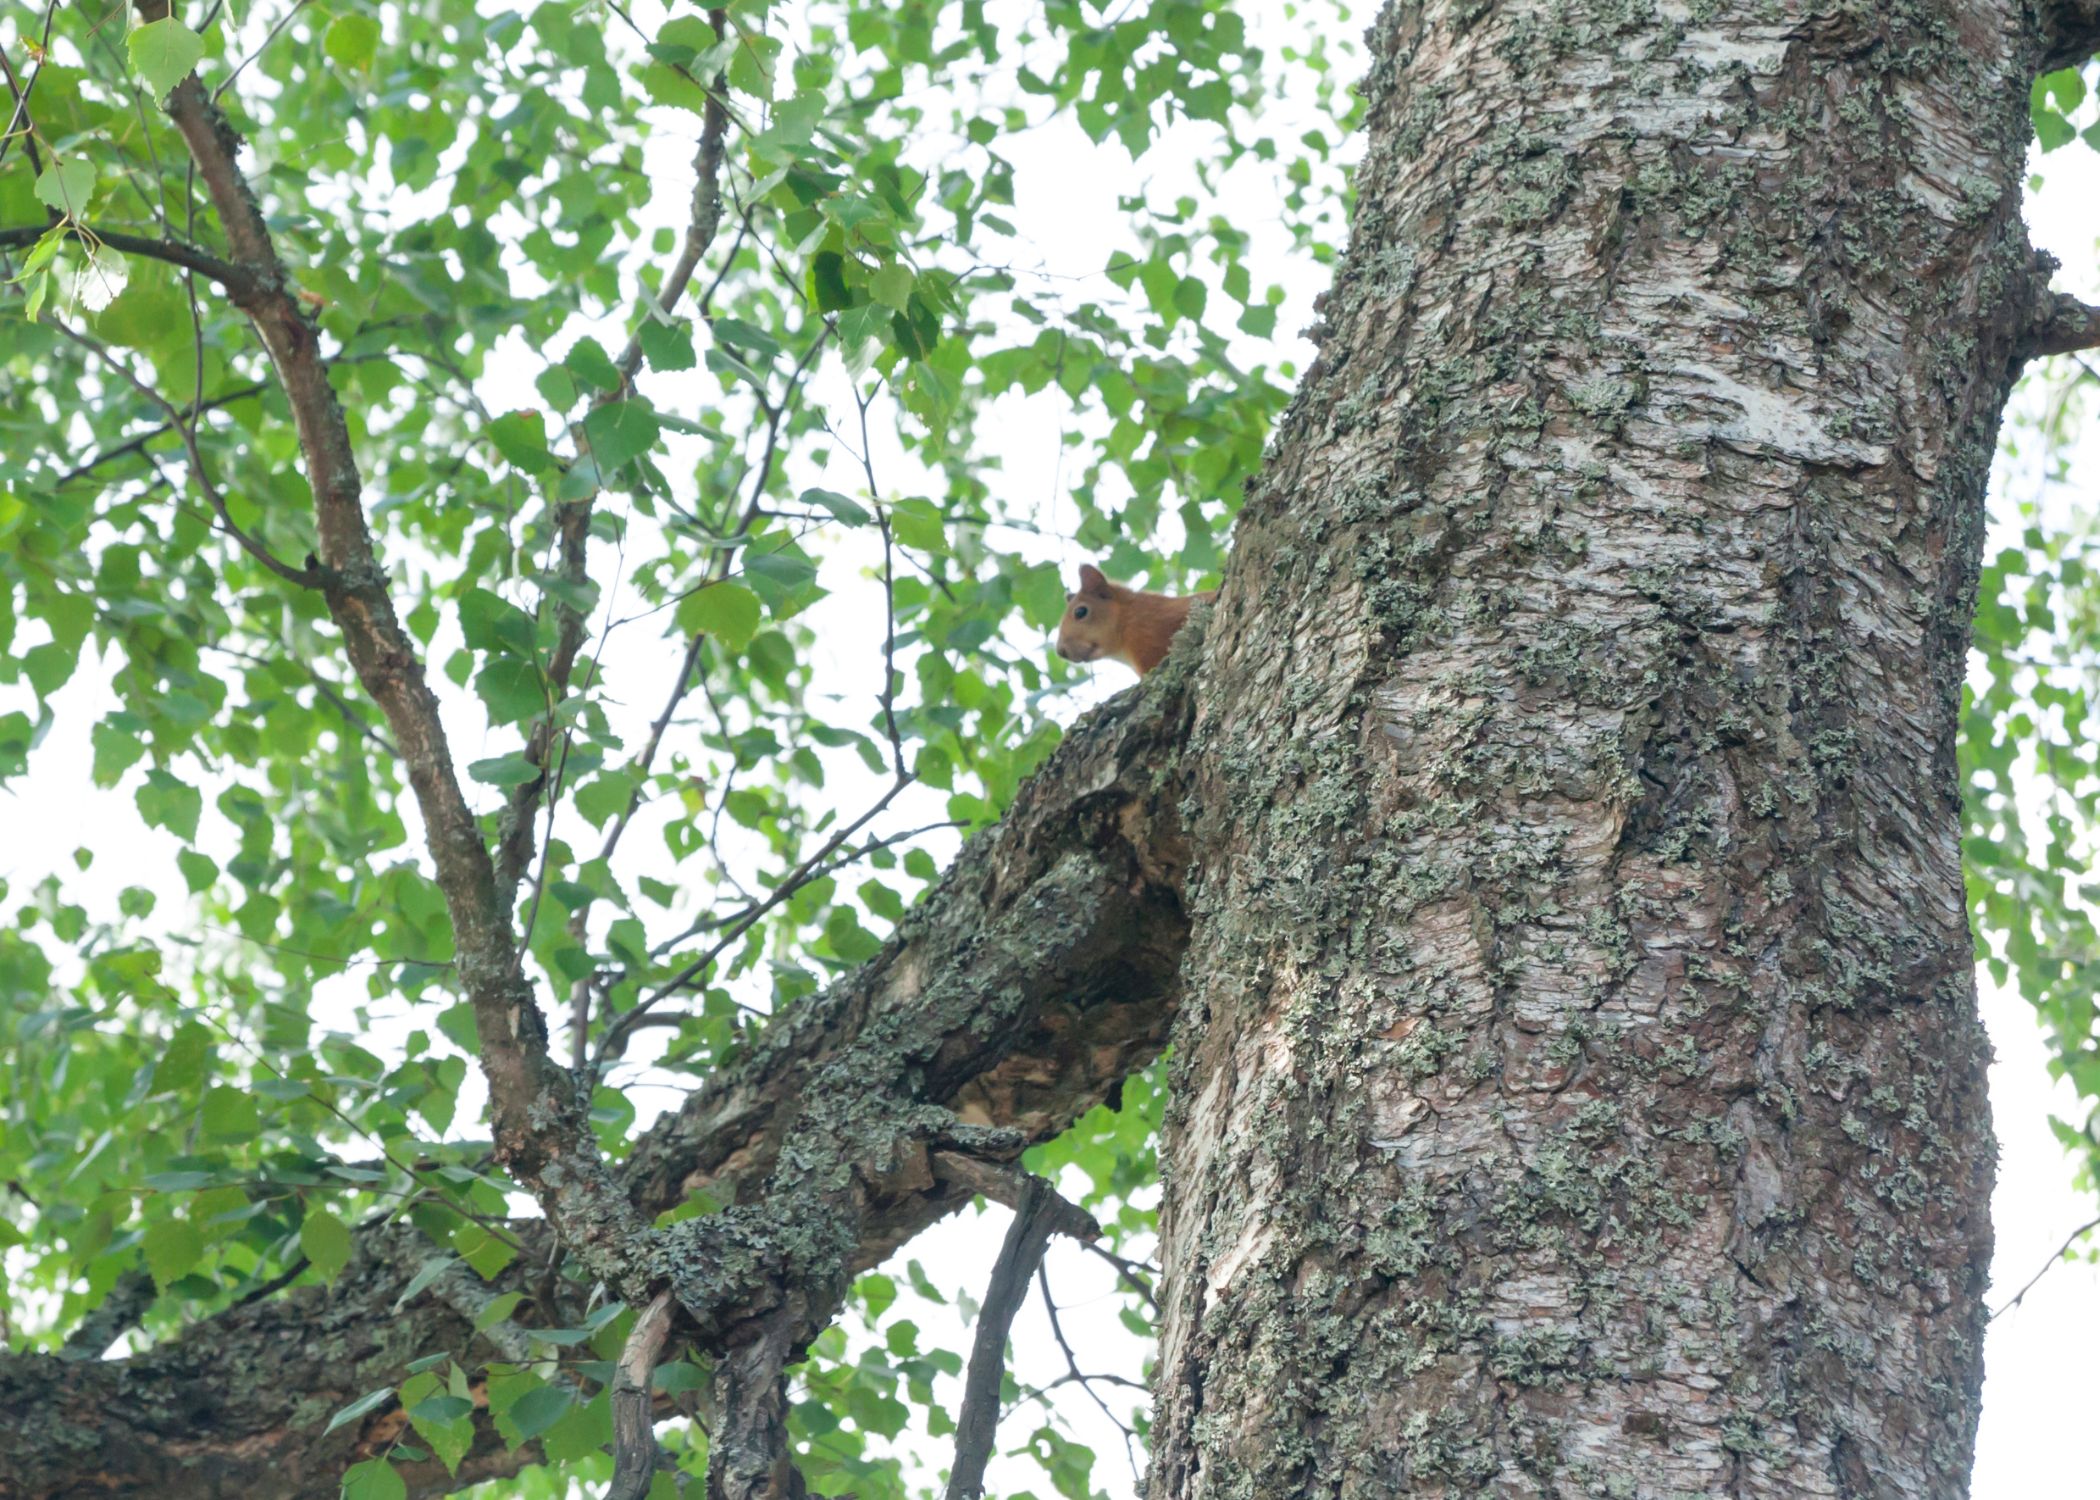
1579, 1086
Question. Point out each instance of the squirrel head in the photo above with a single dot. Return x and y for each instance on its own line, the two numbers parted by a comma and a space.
1092, 627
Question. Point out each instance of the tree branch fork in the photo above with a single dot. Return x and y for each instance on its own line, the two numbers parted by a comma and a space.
1036, 975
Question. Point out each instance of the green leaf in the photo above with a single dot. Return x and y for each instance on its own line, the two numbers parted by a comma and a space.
163, 53
620, 432
725, 611
668, 346
65, 187
165, 802
198, 870
590, 363
852, 512
430, 1271
891, 286
352, 40
512, 688
172, 1247
494, 624
230, 1114
364, 1405
180, 1067
498, 1310
538, 1409
325, 1240
374, 1479
521, 437
918, 525
504, 770
827, 281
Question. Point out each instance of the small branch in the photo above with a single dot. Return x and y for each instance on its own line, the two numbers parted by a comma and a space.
572, 521
977, 1425
2047, 1266
307, 578
238, 280
2060, 325
1085, 1381
801, 875
132, 445
19, 118
634, 1424
1133, 1274
18, 121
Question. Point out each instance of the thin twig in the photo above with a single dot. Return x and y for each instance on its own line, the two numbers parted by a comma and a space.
304, 577
1086, 1382
2049, 1265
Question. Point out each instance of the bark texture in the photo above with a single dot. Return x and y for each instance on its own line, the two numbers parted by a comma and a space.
1579, 1089
1041, 972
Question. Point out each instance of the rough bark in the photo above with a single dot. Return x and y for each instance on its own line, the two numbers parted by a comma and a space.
1579, 1089
1040, 973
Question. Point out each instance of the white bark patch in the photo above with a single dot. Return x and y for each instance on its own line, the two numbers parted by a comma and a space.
1255, 1237
1782, 422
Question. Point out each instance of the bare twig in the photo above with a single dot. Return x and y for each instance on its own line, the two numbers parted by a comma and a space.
616, 1034
2049, 1265
1085, 1381
977, 1425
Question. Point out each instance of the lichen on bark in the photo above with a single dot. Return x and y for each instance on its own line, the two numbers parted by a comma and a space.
1579, 1088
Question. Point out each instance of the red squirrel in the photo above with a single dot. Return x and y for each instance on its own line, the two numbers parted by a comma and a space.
1107, 622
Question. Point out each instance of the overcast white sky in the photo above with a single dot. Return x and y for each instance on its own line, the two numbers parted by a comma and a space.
2042, 1360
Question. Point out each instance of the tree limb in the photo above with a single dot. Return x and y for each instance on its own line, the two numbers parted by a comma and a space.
1041, 971
541, 1133
2061, 324
238, 280
1036, 1217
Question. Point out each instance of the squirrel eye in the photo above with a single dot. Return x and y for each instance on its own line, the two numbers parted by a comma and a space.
1079, 611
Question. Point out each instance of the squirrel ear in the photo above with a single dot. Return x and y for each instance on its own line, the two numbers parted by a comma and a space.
1091, 581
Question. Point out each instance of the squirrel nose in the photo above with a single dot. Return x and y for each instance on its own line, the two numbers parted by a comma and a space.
1064, 651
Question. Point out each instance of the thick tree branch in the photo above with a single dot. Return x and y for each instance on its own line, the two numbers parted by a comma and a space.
1038, 974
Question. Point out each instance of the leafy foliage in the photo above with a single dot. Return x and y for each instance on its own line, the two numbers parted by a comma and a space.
256, 1043
247, 1041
